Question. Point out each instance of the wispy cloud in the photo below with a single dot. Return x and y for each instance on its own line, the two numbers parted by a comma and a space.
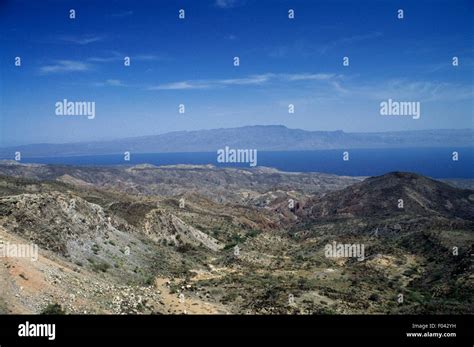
350, 40
64, 66
182, 85
146, 57
227, 3
330, 85
82, 40
117, 56
447, 65
403, 89
307, 48
110, 83
308, 77
361, 37
121, 14
418, 90
111, 56
254, 80
300, 47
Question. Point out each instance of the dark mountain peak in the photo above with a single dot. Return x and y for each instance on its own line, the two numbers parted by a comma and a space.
395, 194
406, 183
400, 179
402, 175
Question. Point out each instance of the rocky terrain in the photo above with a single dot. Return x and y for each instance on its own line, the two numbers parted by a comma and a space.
206, 240
219, 184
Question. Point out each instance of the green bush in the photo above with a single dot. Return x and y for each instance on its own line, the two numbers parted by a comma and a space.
100, 267
53, 309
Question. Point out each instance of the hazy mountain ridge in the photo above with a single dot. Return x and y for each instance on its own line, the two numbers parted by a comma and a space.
219, 184
262, 138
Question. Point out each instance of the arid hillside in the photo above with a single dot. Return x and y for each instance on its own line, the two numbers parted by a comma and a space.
198, 239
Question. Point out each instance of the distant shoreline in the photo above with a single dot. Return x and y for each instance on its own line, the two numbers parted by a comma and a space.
433, 162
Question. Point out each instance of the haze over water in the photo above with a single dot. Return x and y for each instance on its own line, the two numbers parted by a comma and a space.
433, 162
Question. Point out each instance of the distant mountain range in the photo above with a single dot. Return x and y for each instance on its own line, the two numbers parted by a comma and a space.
262, 138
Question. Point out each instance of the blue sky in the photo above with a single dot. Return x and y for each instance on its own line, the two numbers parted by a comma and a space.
190, 61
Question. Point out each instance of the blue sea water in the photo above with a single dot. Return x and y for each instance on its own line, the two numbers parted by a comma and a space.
433, 162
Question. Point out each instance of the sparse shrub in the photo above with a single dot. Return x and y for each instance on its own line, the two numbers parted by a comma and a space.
230, 245
53, 309
251, 233
374, 297
184, 248
102, 266
149, 281
95, 248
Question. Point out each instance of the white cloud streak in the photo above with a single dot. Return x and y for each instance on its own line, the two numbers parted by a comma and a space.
412, 90
226, 3
117, 56
255, 80
82, 40
183, 85
64, 66
110, 83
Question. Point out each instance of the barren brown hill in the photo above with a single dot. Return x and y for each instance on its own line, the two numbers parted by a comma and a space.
396, 195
